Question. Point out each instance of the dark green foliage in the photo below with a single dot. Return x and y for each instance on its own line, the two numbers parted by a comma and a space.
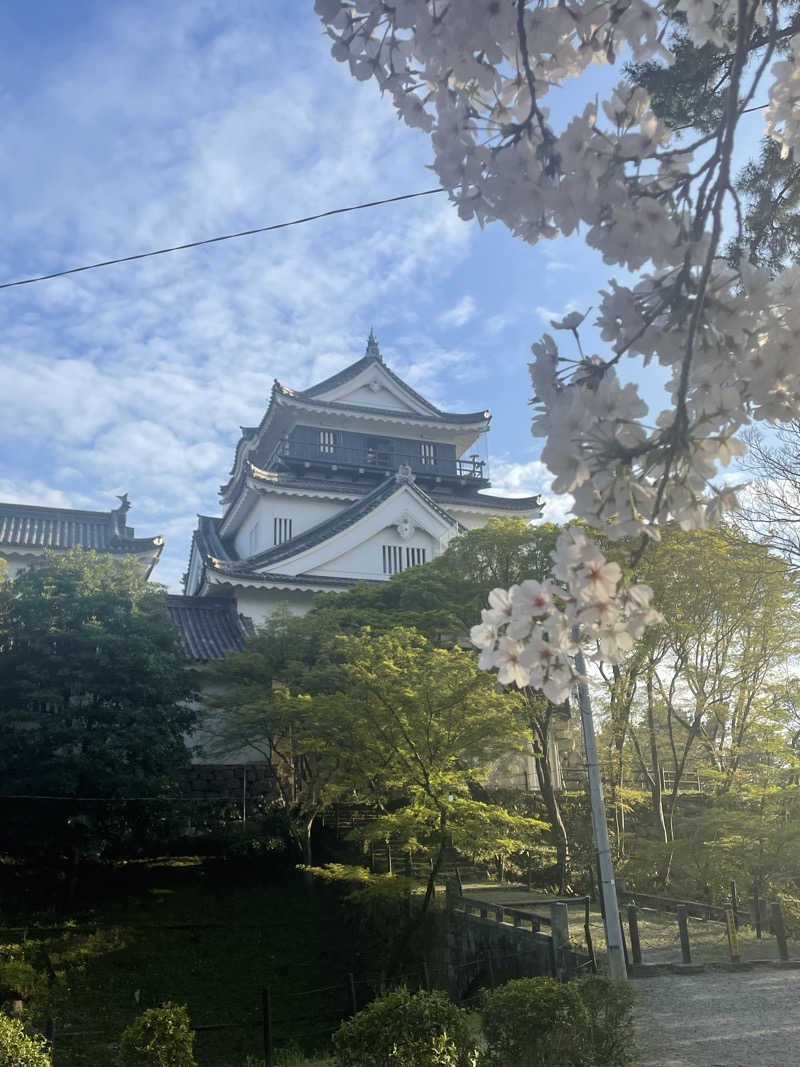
160, 1037
690, 94
538, 1022
405, 1029
91, 683
609, 1023
534, 1022
19, 1049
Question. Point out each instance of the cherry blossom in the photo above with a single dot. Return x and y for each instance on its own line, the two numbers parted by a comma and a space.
476, 77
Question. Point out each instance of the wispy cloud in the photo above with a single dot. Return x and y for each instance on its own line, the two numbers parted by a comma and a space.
137, 378
460, 314
513, 478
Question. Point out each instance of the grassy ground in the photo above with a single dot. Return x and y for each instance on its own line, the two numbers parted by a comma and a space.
209, 939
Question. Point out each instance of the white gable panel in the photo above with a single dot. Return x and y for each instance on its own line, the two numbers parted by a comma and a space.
259, 531
369, 560
403, 506
375, 388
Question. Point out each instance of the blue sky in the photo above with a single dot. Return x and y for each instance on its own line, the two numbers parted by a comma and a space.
134, 126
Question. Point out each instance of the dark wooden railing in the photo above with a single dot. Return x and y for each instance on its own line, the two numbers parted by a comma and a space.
378, 458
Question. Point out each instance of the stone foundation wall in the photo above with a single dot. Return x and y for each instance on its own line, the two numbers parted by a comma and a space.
226, 781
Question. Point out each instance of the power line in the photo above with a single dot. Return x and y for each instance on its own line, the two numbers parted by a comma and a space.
216, 240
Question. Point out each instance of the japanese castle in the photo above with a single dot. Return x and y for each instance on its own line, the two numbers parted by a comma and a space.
353, 479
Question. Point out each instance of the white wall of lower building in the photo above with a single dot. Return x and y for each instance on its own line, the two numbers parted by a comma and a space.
259, 604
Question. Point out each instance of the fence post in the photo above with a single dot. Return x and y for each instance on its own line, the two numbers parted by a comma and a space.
633, 927
776, 915
351, 983
266, 1015
389, 857
734, 904
683, 929
733, 936
559, 932
587, 929
756, 910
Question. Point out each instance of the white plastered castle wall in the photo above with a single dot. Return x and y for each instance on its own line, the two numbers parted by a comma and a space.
260, 604
257, 532
365, 560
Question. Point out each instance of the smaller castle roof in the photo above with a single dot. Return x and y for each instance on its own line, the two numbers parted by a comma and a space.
29, 528
210, 626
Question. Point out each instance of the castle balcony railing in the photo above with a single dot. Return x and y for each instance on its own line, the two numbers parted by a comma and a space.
311, 455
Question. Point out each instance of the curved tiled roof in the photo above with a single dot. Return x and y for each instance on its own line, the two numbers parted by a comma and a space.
210, 626
455, 417
28, 526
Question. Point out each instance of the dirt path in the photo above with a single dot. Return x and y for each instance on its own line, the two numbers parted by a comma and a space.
739, 1019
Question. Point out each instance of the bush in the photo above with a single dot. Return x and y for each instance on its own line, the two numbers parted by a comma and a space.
18, 1049
538, 1022
534, 1022
608, 1039
160, 1037
403, 1029
17, 979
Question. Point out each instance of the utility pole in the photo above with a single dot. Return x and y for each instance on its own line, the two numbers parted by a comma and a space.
616, 955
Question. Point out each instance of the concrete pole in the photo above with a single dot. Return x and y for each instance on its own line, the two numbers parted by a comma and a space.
616, 955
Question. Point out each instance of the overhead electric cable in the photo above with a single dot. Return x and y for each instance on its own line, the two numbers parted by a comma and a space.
216, 240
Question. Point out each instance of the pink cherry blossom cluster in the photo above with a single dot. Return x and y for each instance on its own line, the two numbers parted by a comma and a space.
476, 76
531, 632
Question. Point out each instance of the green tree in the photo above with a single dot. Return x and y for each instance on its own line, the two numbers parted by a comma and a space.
690, 94
259, 707
92, 684
424, 728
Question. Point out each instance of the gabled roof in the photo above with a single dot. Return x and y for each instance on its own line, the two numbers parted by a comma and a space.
283, 398
458, 418
210, 626
344, 519
28, 528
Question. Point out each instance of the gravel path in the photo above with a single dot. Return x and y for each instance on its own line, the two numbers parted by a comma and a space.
741, 1019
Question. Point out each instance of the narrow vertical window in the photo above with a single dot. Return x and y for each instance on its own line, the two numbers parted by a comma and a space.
281, 530
394, 559
327, 442
427, 453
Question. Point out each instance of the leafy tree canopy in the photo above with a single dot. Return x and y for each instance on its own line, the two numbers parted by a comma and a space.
92, 684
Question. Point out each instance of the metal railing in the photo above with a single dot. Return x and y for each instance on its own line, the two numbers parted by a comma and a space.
378, 458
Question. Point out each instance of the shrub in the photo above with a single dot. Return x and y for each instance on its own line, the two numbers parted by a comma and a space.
534, 1022
19, 1049
17, 979
403, 1029
608, 1040
159, 1037
538, 1022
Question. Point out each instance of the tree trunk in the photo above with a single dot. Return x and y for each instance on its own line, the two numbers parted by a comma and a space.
655, 777
544, 775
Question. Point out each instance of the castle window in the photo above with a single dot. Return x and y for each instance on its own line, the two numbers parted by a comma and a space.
327, 442
253, 539
427, 453
282, 530
396, 558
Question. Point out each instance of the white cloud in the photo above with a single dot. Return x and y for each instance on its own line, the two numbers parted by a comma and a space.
547, 316
513, 478
460, 314
137, 377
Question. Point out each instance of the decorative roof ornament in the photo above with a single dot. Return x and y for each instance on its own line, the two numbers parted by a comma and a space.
405, 527
372, 346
